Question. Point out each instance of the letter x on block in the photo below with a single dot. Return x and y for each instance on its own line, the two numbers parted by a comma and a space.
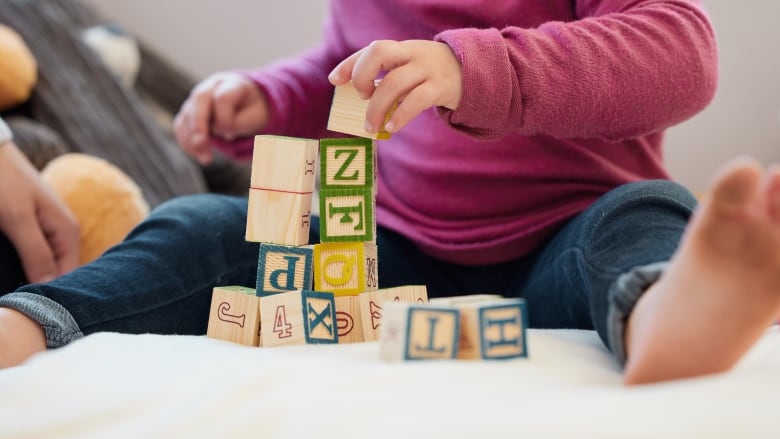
282, 268
319, 317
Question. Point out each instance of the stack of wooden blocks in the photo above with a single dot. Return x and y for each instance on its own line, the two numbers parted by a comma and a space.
345, 305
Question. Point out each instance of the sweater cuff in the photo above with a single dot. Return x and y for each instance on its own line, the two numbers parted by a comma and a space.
490, 106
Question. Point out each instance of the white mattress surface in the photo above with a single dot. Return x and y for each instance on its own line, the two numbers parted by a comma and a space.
143, 386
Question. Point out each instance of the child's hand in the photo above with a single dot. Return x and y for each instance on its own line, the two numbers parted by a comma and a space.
420, 74
41, 227
225, 105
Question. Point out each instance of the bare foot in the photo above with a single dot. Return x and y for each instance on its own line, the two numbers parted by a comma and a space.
722, 288
20, 338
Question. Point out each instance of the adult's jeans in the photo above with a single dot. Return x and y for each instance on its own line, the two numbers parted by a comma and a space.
588, 275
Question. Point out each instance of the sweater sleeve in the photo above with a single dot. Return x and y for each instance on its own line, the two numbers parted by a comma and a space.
298, 93
621, 69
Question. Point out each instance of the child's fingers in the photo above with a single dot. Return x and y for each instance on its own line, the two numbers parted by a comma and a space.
227, 100
379, 56
390, 90
342, 73
418, 100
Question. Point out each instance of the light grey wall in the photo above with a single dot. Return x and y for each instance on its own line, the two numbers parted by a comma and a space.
205, 36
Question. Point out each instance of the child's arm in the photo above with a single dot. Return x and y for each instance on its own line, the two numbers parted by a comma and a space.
625, 69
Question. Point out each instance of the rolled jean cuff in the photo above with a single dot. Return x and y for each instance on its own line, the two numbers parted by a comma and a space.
58, 324
623, 296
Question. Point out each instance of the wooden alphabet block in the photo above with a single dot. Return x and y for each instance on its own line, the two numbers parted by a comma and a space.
281, 190
345, 268
284, 164
372, 305
347, 163
347, 215
299, 317
419, 332
235, 315
492, 327
348, 113
502, 328
278, 217
348, 319
281, 269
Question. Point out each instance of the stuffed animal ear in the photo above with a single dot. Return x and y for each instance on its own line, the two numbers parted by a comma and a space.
117, 49
18, 69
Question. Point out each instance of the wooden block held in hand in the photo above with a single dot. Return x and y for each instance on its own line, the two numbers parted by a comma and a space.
419, 332
372, 305
283, 268
345, 268
235, 315
348, 113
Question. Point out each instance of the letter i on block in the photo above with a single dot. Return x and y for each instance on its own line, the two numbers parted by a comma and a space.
280, 196
282, 268
419, 332
348, 113
299, 317
235, 315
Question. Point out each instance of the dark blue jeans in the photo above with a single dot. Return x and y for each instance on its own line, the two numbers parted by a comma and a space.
160, 279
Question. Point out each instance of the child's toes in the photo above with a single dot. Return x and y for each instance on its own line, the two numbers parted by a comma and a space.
736, 184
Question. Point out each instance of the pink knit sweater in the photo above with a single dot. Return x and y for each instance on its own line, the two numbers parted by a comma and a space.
563, 100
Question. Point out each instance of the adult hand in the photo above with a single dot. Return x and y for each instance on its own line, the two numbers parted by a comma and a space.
39, 225
420, 74
226, 105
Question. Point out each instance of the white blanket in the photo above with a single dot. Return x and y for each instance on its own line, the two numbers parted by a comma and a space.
125, 386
